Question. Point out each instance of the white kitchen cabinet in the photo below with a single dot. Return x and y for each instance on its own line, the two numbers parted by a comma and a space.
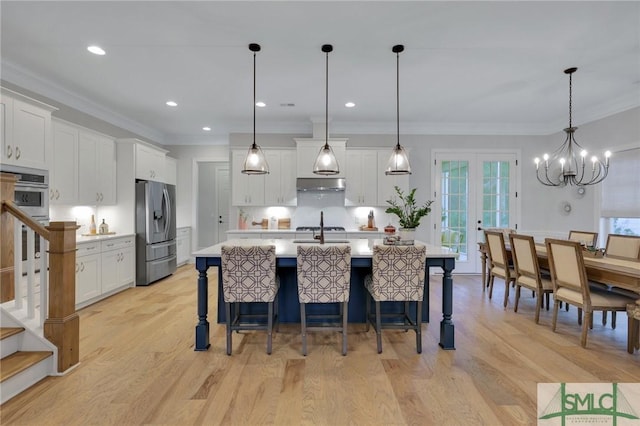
25, 131
307, 152
88, 280
150, 163
361, 177
387, 183
96, 169
118, 267
183, 245
242, 235
170, 170
277, 236
370, 235
63, 174
246, 190
280, 183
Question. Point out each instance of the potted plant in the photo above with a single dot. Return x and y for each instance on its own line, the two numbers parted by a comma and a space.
408, 212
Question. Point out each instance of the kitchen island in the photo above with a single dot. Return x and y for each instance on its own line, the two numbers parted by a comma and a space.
361, 261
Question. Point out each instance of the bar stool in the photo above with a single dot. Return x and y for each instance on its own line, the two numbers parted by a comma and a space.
398, 275
324, 276
633, 330
249, 276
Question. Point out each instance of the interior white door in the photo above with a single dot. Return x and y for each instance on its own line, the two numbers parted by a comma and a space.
223, 200
206, 226
474, 191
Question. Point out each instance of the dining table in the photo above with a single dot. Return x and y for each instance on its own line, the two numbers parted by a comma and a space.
286, 262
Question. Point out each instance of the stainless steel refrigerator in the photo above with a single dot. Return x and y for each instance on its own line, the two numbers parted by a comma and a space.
155, 231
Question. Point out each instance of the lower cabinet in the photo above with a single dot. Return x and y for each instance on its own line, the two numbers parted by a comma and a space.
103, 268
183, 245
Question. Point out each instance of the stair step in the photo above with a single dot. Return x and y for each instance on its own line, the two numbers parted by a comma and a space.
20, 361
6, 332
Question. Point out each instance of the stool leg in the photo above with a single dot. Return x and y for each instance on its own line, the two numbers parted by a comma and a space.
269, 328
227, 307
378, 327
303, 322
367, 310
631, 335
419, 326
613, 319
345, 316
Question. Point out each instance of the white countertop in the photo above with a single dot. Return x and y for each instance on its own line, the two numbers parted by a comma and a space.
360, 247
263, 231
99, 237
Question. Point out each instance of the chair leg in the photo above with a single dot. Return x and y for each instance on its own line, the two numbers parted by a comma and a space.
588, 318
367, 310
491, 286
277, 314
378, 327
579, 316
547, 298
556, 305
515, 307
613, 319
419, 326
604, 317
345, 316
406, 318
269, 327
303, 324
632, 334
227, 308
538, 307
506, 292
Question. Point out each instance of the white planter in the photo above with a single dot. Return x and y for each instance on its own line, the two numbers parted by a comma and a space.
407, 235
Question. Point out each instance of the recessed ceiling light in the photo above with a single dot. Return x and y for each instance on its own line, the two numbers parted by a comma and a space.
261, 104
96, 50
349, 104
206, 128
172, 103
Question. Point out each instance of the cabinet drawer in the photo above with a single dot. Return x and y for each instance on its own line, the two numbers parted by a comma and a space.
116, 244
85, 249
183, 232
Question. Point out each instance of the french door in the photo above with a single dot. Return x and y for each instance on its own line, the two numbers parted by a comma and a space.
473, 191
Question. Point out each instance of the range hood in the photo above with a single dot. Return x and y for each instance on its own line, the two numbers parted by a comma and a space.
320, 184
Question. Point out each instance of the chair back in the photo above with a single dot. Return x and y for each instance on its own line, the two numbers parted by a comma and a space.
249, 273
525, 259
589, 238
398, 272
566, 265
323, 273
623, 246
497, 250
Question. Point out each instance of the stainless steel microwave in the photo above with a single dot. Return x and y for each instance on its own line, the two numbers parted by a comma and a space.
31, 190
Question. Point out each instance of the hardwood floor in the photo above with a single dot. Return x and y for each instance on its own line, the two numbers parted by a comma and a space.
138, 366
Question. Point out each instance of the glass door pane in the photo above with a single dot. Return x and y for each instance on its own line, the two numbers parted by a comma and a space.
454, 199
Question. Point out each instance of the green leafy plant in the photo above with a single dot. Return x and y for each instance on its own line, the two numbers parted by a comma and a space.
407, 209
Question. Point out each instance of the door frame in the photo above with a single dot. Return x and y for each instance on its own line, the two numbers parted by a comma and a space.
473, 200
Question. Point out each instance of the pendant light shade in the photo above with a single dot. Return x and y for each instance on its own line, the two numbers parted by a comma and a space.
326, 162
398, 163
255, 163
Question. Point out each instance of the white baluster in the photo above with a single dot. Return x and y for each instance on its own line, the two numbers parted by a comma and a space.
44, 280
31, 272
17, 262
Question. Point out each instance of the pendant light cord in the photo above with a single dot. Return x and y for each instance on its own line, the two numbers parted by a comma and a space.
326, 103
398, 96
570, 99
254, 99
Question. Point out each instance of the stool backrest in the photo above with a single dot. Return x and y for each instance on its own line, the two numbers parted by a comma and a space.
249, 273
398, 272
324, 273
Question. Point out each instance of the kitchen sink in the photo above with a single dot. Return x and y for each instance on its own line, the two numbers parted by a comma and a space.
326, 241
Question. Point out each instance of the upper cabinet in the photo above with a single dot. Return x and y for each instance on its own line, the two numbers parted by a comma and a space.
246, 190
96, 169
170, 170
150, 163
361, 177
25, 130
280, 183
386, 183
307, 152
63, 174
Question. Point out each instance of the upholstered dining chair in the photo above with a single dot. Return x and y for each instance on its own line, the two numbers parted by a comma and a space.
525, 261
589, 238
570, 284
324, 276
398, 274
499, 262
249, 276
623, 246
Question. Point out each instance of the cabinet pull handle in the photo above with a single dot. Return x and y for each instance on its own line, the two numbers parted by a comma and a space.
51, 194
81, 266
57, 194
97, 196
101, 196
17, 152
9, 151
77, 267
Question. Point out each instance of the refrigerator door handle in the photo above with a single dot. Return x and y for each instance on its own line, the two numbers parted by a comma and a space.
167, 207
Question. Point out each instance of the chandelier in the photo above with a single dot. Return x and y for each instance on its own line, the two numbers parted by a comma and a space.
568, 165
255, 162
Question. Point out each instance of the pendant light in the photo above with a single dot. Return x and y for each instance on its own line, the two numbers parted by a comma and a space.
326, 163
398, 163
567, 164
255, 163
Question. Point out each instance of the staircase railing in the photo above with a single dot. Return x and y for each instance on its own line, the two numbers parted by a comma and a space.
58, 318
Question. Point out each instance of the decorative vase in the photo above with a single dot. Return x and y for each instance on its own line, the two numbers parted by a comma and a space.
407, 235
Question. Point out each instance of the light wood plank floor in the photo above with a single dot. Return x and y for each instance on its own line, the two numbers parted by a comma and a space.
138, 366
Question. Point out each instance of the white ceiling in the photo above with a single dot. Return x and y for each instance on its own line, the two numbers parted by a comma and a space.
468, 67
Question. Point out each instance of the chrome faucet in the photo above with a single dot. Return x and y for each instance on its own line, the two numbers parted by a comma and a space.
321, 236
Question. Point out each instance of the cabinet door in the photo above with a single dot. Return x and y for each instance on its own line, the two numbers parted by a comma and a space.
387, 183
246, 190
87, 277
6, 128
110, 262
31, 135
150, 163
126, 266
170, 170
272, 193
288, 177
106, 169
64, 168
361, 178
87, 169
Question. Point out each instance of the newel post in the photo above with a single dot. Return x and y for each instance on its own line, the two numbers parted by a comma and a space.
7, 271
62, 327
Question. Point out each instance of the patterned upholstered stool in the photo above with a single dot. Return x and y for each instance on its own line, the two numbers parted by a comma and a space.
324, 276
398, 275
633, 333
249, 276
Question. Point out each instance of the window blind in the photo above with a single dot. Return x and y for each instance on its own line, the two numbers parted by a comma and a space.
621, 188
